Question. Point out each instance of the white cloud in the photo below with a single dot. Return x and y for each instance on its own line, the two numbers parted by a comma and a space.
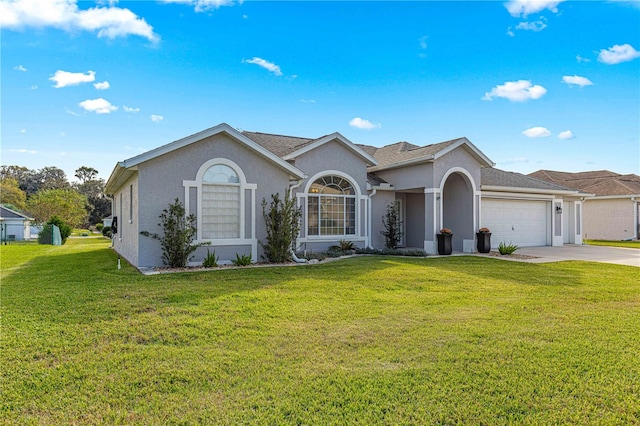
23, 131
99, 106
110, 22
576, 80
129, 109
361, 123
581, 59
308, 101
537, 132
535, 26
269, 66
567, 134
23, 151
34, 87
205, 5
65, 78
102, 86
156, 118
510, 32
20, 68
618, 53
516, 91
526, 7
422, 41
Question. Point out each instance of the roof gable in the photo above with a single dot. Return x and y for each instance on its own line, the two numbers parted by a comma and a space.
402, 154
126, 168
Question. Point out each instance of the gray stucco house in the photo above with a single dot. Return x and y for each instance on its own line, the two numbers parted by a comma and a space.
222, 175
14, 226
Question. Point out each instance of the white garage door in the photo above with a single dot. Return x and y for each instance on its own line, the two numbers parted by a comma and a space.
522, 222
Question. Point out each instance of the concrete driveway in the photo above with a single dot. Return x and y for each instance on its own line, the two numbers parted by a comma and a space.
616, 255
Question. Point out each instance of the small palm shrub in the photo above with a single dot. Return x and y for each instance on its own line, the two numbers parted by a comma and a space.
210, 260
507, 249
242, 260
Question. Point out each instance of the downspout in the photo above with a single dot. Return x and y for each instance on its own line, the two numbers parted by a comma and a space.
293, 252
369, 236
636, 222
110, 197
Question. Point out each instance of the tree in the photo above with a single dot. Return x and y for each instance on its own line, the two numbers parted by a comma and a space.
32, 181
69, 205
93, 189
46, 235
283, 225
11, 194
179, 233
86, 174
392, 226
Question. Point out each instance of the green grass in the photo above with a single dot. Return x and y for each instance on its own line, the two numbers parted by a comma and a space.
625, 244
368, 340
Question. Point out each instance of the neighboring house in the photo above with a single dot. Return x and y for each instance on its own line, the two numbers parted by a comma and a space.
14, 226
107, 221
614, 212
222, 175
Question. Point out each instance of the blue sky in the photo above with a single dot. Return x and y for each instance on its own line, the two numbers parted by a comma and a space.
533, 84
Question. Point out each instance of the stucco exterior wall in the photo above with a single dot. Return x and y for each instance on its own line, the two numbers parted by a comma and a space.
609, 219
410, 177
379, 203
331, 157
415, 220
125, 208
162, 179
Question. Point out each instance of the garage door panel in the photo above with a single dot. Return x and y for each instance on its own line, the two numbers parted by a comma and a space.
521, 222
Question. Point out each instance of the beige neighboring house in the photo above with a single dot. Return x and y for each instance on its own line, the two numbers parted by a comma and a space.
614, 212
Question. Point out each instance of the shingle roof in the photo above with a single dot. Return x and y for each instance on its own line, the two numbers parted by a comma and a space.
375, 180
404, 151
497, 177
280, 145
598, 182
7, 213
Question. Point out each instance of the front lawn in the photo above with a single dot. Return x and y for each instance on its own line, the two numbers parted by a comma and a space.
625, 244
367, 340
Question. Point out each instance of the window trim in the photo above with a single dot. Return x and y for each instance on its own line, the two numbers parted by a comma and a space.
359, 213
246, 236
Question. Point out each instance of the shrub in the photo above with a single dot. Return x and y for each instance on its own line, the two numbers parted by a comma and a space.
282, 220
45, 236
242, 260
210, 260
507, 249
99, 226
106, 231
179, 233
392, 226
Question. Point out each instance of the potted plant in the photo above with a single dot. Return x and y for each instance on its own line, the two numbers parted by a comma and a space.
483, 237
444, 241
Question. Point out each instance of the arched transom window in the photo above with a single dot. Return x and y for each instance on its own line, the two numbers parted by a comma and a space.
220, 203
331, 207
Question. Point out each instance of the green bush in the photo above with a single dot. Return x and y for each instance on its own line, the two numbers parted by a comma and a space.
45, 236
106, 231
505, 249
282, 220
210, 260
242, 260
99, 226
392, 223
179, 233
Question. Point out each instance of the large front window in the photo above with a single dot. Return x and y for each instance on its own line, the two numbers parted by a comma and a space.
331, 207
220, 203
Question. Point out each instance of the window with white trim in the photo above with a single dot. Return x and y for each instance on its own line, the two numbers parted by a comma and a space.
220, 203
331, 207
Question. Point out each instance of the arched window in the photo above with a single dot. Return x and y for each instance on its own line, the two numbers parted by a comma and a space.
331, 207
220, 203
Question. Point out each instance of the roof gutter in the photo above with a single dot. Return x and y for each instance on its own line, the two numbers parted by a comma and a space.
533, 190
411, 162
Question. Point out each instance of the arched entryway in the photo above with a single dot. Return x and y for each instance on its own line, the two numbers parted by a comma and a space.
458, 207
